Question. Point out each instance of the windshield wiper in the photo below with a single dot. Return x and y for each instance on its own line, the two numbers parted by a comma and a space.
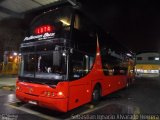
52, 86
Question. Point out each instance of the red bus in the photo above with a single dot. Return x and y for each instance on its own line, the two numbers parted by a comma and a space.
68, 61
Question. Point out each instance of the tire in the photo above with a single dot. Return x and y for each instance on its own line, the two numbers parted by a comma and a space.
96, 95
20, 103
127, 85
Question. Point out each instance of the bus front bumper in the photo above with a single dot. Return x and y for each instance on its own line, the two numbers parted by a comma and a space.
58, 104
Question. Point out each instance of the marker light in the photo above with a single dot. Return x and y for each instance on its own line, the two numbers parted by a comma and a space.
11, 57
156, 58
43, 29
128, 54
15, 54
65, 22
60, 93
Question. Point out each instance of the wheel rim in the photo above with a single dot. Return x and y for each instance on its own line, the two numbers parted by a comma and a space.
127, 84
96, 95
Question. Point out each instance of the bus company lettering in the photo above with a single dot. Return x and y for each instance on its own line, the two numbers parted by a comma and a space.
40, 37
114, 54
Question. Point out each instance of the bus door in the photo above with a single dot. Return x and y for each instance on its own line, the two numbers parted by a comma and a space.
79, 86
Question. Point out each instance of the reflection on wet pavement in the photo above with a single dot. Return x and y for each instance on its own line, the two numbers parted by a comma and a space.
116, 109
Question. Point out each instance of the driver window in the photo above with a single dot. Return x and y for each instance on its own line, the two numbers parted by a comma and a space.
79, 65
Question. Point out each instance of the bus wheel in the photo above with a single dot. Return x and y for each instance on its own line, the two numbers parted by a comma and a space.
96, 95
127, 85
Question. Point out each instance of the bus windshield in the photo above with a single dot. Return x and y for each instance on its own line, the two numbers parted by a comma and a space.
43, 48
43, 62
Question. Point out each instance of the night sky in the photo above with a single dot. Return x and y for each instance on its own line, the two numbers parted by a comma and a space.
135, 23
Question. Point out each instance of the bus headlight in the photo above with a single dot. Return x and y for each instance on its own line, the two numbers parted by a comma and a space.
49, 94
52, 94
17, 88
60, 93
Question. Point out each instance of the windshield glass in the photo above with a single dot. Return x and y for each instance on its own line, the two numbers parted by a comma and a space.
46, 63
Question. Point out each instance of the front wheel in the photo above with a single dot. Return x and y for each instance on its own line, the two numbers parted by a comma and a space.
96, 95
127, 84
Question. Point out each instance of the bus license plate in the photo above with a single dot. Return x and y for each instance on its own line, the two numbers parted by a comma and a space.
32, 102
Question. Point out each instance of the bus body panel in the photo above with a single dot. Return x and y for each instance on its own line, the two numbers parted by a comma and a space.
113, 83
43, 95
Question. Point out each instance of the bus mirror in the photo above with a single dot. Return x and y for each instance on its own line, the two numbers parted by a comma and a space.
56, 58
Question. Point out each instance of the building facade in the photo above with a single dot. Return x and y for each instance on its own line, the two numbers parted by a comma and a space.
147, 64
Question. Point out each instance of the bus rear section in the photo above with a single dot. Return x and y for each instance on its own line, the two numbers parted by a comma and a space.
67, 61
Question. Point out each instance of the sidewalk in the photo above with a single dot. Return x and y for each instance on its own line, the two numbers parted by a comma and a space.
7, 82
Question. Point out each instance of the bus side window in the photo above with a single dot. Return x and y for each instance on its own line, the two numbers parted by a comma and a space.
106, 69
111, 65
116, 69
79, 65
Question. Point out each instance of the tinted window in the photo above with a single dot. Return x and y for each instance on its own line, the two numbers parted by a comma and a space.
84, 35
139, 58
151, 58
113, 63
80, 64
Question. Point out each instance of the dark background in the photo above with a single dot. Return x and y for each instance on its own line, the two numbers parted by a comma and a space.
135, 23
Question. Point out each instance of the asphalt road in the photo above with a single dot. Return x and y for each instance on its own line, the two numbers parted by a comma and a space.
142, 98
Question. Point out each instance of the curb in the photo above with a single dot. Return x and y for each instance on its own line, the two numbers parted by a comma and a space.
6, 76
9, 88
